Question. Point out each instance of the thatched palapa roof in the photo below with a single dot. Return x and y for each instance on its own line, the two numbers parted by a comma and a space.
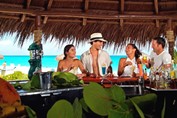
117, 20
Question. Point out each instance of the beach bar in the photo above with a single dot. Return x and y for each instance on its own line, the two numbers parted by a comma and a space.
119, 21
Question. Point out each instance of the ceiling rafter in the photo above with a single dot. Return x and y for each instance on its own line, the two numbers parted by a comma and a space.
86, 5
27, 7
99, 16
122, 9
49, 5
156, 7
86, 15
97, 1
79, 21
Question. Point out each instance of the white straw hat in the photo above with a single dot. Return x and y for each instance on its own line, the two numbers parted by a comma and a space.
96, 37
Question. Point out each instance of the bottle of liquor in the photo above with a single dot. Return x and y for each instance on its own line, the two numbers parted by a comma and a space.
172, 72
145, 74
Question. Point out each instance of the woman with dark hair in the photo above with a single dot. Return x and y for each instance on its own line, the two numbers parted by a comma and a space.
70, 63
128, 66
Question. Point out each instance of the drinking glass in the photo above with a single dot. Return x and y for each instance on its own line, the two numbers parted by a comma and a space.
144, 59
103, 70
152, 62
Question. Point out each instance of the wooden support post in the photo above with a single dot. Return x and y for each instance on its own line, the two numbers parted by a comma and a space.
170, 37
38, 31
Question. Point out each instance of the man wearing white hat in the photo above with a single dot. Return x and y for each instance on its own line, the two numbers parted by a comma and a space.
95, 58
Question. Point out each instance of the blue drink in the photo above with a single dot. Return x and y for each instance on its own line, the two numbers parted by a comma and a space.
103, 70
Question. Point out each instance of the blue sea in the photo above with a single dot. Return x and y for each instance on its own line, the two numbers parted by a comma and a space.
48, 61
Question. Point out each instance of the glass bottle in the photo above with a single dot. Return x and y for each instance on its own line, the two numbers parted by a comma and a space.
172, 72
145, 74
151, 76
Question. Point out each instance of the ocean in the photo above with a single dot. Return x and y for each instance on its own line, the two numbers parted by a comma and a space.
48, 61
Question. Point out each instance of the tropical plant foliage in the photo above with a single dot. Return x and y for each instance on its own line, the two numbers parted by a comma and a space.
105, 102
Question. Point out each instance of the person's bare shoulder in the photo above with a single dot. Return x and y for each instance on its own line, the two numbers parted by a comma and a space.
77, 60
61, 62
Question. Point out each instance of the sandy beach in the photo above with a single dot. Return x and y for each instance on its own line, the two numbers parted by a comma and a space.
10, 69
24, 69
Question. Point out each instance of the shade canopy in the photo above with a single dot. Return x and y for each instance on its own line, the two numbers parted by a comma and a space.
75, 20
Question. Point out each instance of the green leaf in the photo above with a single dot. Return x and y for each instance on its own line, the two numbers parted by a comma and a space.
163, 109
84, 105
77, 109
61, 109
118, 94
138, 109
35, 81
26, 86
118, 114
97, 99
31, 113
145, 102
54, 74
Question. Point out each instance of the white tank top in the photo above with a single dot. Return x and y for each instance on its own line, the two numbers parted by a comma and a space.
128, 70
74, 70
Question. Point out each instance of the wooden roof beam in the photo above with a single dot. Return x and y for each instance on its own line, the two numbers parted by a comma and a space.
97, 1
27, 7
17, 11
89, 21
85, 15
121, 23
156, 7
86, 5
150, 3
49, 5
84, 21
97, 16
122, 7
28, 4
169, 24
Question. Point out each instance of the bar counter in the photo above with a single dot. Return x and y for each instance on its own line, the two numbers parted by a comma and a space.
115, 79
46, 92
42, 100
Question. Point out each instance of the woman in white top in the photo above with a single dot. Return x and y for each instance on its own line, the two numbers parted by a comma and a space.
69, 63
128, 66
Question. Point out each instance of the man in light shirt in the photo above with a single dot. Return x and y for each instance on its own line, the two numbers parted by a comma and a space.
96, 58
159, 57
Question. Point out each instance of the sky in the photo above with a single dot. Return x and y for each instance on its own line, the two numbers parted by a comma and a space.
8, 47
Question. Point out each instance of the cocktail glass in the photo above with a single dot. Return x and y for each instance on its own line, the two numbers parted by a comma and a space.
144, 59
